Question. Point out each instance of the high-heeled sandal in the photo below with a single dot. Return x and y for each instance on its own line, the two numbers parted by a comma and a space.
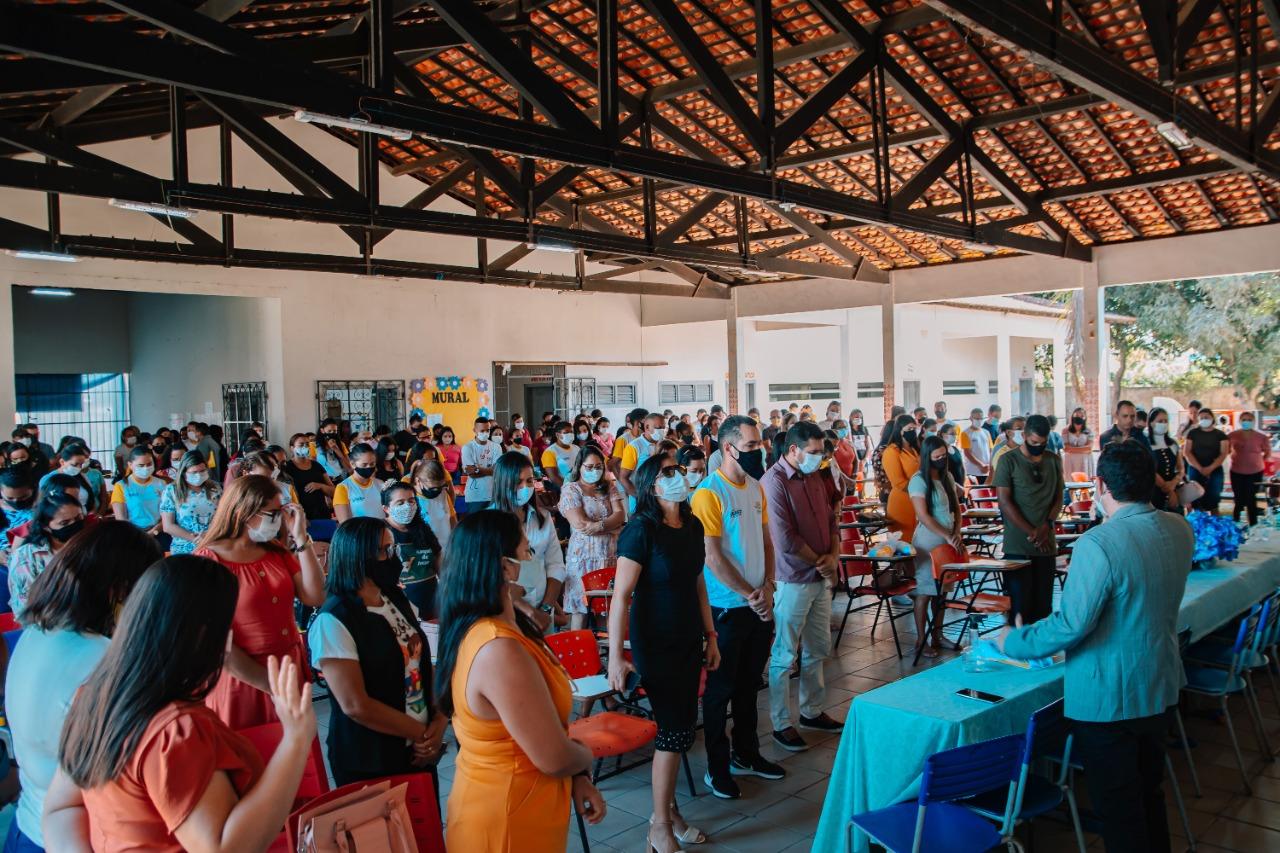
691, 834
654, 825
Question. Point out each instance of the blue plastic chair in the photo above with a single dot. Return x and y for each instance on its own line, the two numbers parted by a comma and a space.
1220, 682
1215, 650
11, 639
1048, 737
934, 823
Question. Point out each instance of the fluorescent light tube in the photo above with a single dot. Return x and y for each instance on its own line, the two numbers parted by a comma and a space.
1176, 136
52, 291
552, 247
32, 255
353, 124
149, 207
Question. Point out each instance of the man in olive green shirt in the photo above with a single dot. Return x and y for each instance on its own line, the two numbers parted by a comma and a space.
1030, 484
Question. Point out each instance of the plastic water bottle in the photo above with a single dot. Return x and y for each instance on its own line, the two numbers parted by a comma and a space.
973, 660
1265, 524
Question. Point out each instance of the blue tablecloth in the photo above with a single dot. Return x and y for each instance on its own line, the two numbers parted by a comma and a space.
890, 731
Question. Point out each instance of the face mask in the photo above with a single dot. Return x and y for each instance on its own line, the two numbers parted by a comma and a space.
385, 573
591, 475
752, 463
564, 438
1159, 429
519, 425
977, 422
583, 435
928, 433
364, 473
939, 416
131, 441
1077, 422
403, 513
481, 437
523, 494
1037, 449
857, 421
25, 441
842, 433
193, 436
659, 434
1246, 425
266, 531
301, 451
1017, 436
197, 478
693, 478
809, 463
939, 464
832, 415
949, 439
432, 492
73, 470
142, 472
62, 534
22, 503
673, 489
1206, 423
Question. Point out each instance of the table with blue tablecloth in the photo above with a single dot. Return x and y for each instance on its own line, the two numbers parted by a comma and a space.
890, 731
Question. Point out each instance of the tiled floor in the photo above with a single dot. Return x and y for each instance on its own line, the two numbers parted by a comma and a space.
782, 816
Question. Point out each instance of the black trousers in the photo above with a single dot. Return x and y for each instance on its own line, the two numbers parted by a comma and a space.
745, 641
1245, 487
1124, 770
1030, 590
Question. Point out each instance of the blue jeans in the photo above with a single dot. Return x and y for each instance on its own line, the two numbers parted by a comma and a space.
16, 842
1212, 489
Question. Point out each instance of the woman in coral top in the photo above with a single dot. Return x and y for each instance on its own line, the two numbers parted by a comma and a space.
901, 460
144, 764
517, 770
244, 537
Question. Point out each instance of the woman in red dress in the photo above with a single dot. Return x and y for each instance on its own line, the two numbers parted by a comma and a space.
244, 537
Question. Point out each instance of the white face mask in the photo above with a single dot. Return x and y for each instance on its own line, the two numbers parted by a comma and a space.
482, 436
193, 437
142, 472
1017, 436
949, 439
810, 463
73, 470
564, 438
693, 478
659, 434
674, 489
301, 451
197, 478
856, 421
403, 513
25, 441
1160, 428
519, 424
267, 530
1206, 423
130, 441
591, 475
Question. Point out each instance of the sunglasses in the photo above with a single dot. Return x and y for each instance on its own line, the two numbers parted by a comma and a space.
672, 470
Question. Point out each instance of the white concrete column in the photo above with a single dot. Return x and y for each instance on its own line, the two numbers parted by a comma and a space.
1060, 378
1097, 398
734, 344
888, 357
848, 382
8, 388
1004, 375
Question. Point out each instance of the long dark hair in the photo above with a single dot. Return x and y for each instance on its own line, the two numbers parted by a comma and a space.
945, 480
46, 508
901, 437
473, 586
353, 554
506, 480
86, 581
168, 647
647, 505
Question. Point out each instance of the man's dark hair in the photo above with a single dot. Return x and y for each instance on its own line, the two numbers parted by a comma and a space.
1128, 470
800, 435
636, 415
993, 408
1124, 403
1141, 415
731, 429
1037, 425
717, 409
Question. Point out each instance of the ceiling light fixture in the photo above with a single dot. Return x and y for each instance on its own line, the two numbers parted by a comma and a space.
33, 255
152, 207
984, 248
1176, 136
353, 124
551, 247
52, 291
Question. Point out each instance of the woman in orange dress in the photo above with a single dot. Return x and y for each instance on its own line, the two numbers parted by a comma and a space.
517, 770
244, 537
901, 460
143, 764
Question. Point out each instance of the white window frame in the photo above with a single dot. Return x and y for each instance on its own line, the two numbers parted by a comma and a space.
632, 389
696, 385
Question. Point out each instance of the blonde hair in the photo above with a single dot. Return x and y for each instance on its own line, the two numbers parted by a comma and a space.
241, 502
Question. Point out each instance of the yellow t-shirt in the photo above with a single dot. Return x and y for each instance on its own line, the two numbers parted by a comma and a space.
620, 445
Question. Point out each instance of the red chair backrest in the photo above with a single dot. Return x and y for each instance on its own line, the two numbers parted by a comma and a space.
1079, 477
1082, 506
266, 737
600, 578
851, 534
9, 622
420, 801
577, 652
948, 553
848, 516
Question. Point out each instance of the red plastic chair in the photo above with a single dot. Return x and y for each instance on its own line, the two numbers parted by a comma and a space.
1082, 507
984, 497
600, 579
420, 800
9, 622
315, 782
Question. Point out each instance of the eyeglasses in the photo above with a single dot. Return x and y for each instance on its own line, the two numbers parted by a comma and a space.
673, 470
271, 516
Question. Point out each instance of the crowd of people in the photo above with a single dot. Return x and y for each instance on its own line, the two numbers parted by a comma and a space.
188, 591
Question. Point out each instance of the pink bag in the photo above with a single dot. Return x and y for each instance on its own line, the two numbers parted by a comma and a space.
373, 819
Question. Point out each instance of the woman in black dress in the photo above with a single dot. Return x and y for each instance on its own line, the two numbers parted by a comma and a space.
659, 595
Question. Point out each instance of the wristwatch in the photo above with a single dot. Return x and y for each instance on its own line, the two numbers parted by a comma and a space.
302, 546
546, 608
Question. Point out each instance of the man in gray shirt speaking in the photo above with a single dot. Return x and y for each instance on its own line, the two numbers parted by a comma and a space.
1118, 622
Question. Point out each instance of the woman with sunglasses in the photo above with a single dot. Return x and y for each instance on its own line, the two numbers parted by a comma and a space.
244, 537
660, 604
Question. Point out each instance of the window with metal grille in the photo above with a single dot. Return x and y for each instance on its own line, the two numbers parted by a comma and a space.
867, 390
960, 388
616, 394
243, 404
993, 387
672, 393
367, 403
783, 392
93, 406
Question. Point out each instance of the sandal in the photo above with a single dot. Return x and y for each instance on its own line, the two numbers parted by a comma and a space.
926, 651
654, 825
690, 834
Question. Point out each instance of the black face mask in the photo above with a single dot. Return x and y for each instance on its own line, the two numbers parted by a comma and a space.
432, 493
364, 473
22, 503
752, 463
1036, 449
939, 464
62, 534
1077, 422
386, 573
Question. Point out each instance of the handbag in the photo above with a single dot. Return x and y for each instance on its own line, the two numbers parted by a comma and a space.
1189, 492
374, 819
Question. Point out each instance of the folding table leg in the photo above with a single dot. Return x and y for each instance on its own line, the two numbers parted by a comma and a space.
1186, 750
688, 773
1177, 801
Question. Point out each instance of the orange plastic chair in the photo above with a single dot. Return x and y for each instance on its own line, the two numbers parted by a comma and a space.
977, 602
421, 801
1079, 477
